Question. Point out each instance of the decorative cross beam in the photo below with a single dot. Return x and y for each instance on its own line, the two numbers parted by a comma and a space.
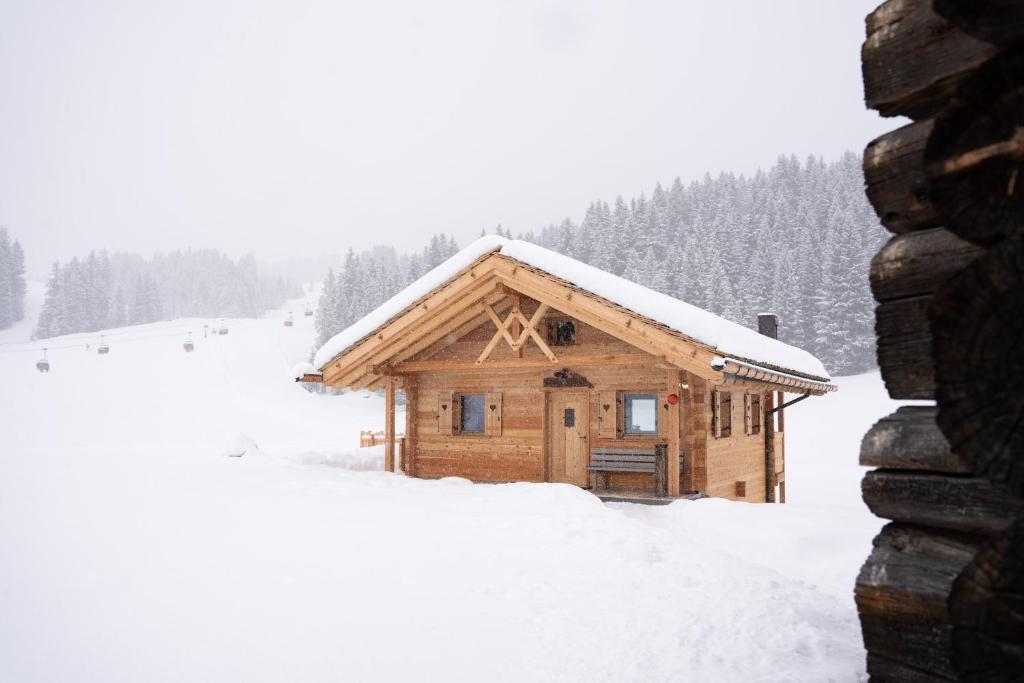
516, 343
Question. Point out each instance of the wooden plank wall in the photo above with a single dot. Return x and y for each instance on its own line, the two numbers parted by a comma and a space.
696, 425
516, 455
739, 457
711, 465
628, 378
589, 341
519, 453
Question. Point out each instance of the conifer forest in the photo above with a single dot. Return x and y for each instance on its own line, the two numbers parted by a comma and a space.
794, 240
12, 280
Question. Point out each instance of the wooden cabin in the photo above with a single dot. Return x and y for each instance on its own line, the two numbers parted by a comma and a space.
520, 364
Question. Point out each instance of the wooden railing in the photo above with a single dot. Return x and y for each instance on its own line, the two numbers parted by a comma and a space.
371, 438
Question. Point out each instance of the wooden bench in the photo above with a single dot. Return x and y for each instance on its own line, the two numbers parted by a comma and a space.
653, 460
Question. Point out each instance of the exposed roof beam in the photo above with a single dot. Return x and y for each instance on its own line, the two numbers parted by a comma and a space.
631, 328
453, 319
407, 328
427, 307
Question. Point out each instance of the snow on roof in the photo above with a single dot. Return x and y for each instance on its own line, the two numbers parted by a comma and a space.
300, 369
726, 337
405, 298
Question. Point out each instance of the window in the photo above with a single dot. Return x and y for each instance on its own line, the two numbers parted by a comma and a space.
561, 332
472, 413
641, 413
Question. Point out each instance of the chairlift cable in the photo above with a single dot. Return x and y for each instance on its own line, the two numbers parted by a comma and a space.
27, 347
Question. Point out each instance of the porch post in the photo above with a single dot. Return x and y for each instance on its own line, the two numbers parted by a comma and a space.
769, 448
673, 428
389, 424
409, 459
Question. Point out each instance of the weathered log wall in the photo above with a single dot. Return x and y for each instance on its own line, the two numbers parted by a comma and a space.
939, 597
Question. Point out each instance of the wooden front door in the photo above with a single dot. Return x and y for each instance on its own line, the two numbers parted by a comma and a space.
568, 447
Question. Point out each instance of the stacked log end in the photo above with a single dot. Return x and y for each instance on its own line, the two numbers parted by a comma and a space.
941, 596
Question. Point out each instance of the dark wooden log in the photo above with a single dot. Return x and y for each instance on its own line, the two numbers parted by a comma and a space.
902, 593
904, 348
994, 21
661, 470
910, 572
975, 153
913, 59
885, 670
979, 321
910, 439
958, 503
895, 181
987, 610
918, 263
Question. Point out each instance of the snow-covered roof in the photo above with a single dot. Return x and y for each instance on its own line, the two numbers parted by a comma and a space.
725, 337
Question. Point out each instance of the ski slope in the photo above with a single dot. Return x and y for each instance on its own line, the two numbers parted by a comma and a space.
148, 393
132, 548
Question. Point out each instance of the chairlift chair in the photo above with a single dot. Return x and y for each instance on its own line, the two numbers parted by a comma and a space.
223, 328
288, 322
309, 311
43, 365
188, 345
102, 349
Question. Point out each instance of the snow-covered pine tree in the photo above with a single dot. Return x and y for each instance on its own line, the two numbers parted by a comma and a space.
19, 286
6, 281
794, 239
50, 323
326, 321
777, 236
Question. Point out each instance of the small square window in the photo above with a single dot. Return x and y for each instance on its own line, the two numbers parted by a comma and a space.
569, 417
641, 413
472, 413
561, 332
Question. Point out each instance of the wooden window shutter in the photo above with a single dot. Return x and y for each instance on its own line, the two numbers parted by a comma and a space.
716, 412
456, 413
748, 414
607, 414
756, 415
725, 414
492, 414
445, 412
620, 415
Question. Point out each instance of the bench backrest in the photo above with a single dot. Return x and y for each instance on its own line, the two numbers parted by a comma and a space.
637, 459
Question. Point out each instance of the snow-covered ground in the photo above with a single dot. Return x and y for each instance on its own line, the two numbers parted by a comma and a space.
133, 549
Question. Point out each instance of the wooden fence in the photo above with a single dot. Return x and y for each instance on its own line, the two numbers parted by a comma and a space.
371, 438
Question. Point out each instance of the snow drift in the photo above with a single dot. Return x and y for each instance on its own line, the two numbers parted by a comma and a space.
131, 549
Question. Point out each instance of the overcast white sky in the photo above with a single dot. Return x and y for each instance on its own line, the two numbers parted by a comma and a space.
302, 127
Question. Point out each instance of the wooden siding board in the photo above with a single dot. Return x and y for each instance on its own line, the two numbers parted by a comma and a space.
736, 458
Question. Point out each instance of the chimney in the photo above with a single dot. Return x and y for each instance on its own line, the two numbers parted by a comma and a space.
768, 325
